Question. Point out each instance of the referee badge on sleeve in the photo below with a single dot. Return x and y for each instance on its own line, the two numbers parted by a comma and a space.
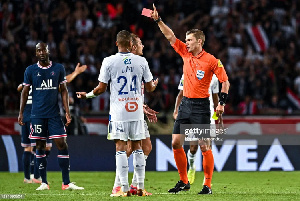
220, 64
200, 74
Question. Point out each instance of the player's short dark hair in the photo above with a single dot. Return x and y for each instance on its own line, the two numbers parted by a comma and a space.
198, 34
123, 39
41, 43
134, 38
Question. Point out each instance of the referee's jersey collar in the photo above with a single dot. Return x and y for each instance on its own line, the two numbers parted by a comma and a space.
200, 54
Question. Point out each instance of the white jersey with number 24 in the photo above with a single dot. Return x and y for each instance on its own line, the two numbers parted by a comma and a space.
125, 71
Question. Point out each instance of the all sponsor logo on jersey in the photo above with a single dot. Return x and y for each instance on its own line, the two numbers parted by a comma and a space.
46, 84
200, 74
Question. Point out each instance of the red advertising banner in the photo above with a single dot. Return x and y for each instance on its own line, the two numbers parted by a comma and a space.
257, 125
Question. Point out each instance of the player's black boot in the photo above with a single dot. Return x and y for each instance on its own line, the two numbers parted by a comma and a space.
180, 186
205, 190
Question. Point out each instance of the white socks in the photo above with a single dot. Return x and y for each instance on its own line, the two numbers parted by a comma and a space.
122, 169
139, 168
134, 179
191, 159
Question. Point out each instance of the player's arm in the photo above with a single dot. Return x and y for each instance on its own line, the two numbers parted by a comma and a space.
169, 34
24, 97
151, 86
65, 100
177, 103
101, 88
78, 70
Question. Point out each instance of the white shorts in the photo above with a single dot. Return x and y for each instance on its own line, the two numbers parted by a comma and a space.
132, 130
147, 134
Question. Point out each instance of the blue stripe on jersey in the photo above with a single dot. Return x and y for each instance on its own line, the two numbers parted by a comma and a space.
45, 83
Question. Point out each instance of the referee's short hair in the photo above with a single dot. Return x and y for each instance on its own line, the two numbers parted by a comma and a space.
198, 34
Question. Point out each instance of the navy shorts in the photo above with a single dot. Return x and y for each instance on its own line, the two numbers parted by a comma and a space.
192, 111
44, 128
26, 141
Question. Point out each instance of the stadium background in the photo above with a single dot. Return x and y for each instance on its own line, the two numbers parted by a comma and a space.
256, 40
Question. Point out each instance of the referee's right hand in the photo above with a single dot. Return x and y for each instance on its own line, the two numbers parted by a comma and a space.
219, 110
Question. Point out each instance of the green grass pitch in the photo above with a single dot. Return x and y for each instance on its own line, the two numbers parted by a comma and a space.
275, 185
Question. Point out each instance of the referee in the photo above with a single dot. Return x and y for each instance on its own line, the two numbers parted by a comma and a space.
198, 69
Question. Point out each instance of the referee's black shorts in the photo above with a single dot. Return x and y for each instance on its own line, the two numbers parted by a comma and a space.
192, 111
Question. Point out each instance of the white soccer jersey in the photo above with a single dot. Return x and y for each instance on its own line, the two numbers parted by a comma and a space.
125, 71
213, 89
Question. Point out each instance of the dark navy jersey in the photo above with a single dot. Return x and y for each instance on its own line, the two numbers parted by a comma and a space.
27, 109
45, 82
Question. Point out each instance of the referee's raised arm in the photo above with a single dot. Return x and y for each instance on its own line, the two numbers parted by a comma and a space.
169, 34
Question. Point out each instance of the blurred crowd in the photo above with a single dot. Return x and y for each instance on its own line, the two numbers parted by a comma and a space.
263, 81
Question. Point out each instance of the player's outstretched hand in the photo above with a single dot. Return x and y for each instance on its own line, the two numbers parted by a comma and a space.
81, 95
80, 69
155, 82
154, 13
150, 114
68, 118
20, 120
219, 110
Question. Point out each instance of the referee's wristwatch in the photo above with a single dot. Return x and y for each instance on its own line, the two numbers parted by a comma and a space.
222, 103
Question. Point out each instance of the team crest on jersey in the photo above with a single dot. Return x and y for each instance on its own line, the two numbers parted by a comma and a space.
200, 74
52, 73
127, 61
220, 64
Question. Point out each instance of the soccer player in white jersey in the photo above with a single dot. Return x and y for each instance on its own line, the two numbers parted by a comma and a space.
125, 71
213, 99
137, 48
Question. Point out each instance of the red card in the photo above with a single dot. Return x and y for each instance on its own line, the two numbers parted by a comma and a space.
146, 12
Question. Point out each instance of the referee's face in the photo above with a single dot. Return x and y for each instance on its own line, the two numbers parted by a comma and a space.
192, 44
